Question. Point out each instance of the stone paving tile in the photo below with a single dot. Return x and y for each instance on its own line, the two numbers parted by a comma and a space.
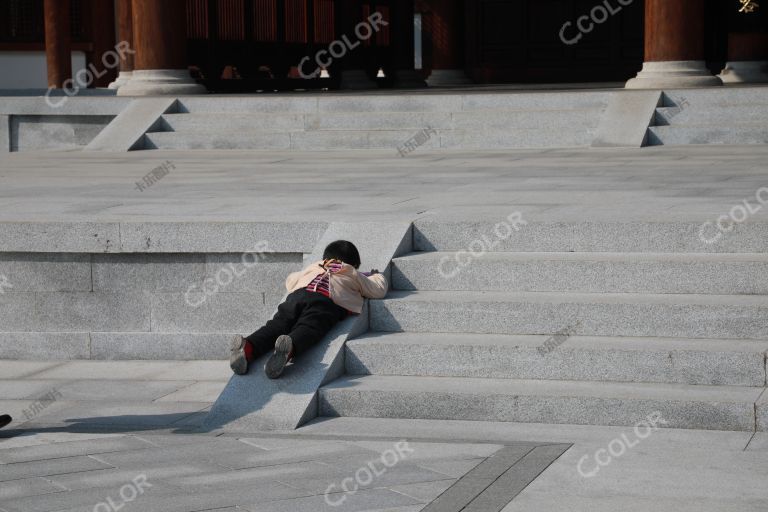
49, 467
424, 491
165, 440
27, 487
83, 499
551, 502
25, 369
193, 421
370, 477
290, 474
112, 370
137, 415
119, 390
155, 472
331, 450
425, 451
164, 500
207, 391
375, 499
200, 370
72, 449
16, 409
26, 439
694, 473
452, 468
411, 508
25, 389
278, 443
216, 451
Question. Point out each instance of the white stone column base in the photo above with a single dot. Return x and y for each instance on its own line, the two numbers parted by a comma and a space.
674, 74
160, 82
448, 77
123, 78
745, 72
356, 79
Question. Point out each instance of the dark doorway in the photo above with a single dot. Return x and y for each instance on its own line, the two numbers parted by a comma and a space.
257, 45
541, 41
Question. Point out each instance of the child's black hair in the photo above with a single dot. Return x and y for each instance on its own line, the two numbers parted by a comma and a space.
344, 251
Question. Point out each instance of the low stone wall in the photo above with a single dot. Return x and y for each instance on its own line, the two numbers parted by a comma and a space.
135, 306
30, 123
34, 133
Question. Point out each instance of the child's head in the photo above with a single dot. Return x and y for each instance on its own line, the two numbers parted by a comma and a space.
343, 251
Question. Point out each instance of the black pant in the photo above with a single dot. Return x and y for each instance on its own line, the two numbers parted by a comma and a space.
304, 316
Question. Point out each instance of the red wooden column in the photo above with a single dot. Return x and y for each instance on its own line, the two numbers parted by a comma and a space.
747, 58
446, 32
160, 42
103, 34
674, 46
125, 40
58, 42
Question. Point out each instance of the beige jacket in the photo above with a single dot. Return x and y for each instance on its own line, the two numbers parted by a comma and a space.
348, 286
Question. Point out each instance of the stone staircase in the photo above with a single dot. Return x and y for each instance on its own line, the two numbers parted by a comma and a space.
710, 117
597, 330
335, 122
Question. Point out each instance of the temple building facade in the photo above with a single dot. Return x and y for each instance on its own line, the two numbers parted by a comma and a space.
194, 46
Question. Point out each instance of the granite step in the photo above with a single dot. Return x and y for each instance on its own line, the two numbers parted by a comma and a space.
541, 401
400, 102
231, 122
560, 357
288, 121
264, 140
598, 314
678, 135
518, 232
727, 274
320, 140
714, 115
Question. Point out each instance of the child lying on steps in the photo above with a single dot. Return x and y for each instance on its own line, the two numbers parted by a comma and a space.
319, 297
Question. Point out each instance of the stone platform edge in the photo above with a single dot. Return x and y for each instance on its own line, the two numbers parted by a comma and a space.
159, 237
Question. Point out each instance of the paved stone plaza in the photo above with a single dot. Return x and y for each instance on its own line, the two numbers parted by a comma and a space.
104, 435
664, 184
111, 423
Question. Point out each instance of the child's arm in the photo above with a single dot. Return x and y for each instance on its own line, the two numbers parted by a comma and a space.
373, 287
